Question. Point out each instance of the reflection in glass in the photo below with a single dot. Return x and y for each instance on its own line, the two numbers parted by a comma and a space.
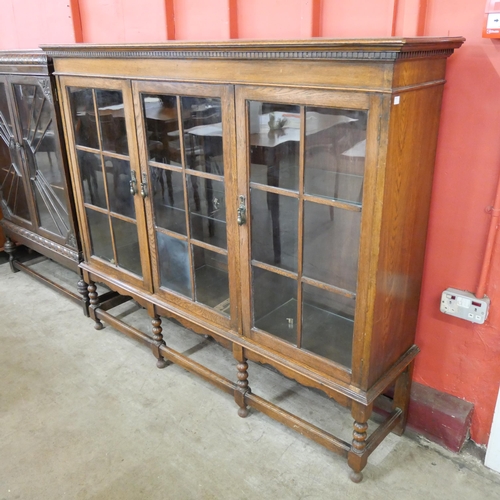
92, 180
100, 235
83, 114
127, 245
275, 304
168, 199
173, 259
335, 153
39, 146
211, 279
203, 134
162, 128
274, 144
331, 245
207, 210
112, 121
5, 121
327, 324
121, 199
274, 229
11, 183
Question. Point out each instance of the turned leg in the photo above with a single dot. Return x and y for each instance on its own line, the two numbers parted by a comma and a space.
357, 457
94, 304
242, 383
402, 393
158, 342
81, 286
10, 249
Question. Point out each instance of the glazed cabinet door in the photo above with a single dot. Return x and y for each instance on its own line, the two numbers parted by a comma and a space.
13, 182
186, 143
41, 151
105, 171
301, 167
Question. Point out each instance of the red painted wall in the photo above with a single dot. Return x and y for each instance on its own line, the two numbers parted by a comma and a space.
457, 357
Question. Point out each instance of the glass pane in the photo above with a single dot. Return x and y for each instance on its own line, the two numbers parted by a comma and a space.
83, 113
100, 236
274, 144
112, 121
92, 179
207, 210
120, 198
41, 152
168, 199
203, 134
274, 229
327, 324
162, 128
211, 279
275, 304
335, 153
173, 259
127, 245
331, 245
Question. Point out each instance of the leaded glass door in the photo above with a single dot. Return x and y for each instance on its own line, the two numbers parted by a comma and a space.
186, 137
15, 204
304, 157
39, 140
106, 171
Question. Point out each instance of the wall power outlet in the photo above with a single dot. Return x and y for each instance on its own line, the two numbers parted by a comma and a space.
464, 305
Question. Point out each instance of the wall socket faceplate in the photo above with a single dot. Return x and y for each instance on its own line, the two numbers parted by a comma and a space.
464, 305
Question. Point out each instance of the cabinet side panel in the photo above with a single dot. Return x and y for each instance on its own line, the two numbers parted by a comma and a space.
413, 132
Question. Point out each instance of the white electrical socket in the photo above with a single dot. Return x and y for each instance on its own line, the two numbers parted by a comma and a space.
464, 305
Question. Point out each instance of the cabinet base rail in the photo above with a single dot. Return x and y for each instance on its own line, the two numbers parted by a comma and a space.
357, 452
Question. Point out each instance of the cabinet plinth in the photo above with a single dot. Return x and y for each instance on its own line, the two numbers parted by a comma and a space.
273, 195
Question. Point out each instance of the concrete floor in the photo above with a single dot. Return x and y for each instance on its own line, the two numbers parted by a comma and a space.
85, 414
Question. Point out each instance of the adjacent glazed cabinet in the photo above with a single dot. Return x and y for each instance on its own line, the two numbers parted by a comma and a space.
273, 195
35, 196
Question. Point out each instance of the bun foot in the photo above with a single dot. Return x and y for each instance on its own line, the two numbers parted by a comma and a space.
355, 477
242, 412
98, 325
162, 363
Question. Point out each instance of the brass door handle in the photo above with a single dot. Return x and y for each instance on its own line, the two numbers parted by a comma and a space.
242, 212
133, 183
144, 186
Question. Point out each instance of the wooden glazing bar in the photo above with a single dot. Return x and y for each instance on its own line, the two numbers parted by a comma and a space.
186, 198
329, 288
332, 203
273, 189
172, 234
165, 166
300, 222
207, 246
205, 175
118, 156
274, 269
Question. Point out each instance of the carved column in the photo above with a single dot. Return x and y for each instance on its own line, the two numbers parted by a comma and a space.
81, 286
158, 342
10, 248
242, 387
94, 304
357, 457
